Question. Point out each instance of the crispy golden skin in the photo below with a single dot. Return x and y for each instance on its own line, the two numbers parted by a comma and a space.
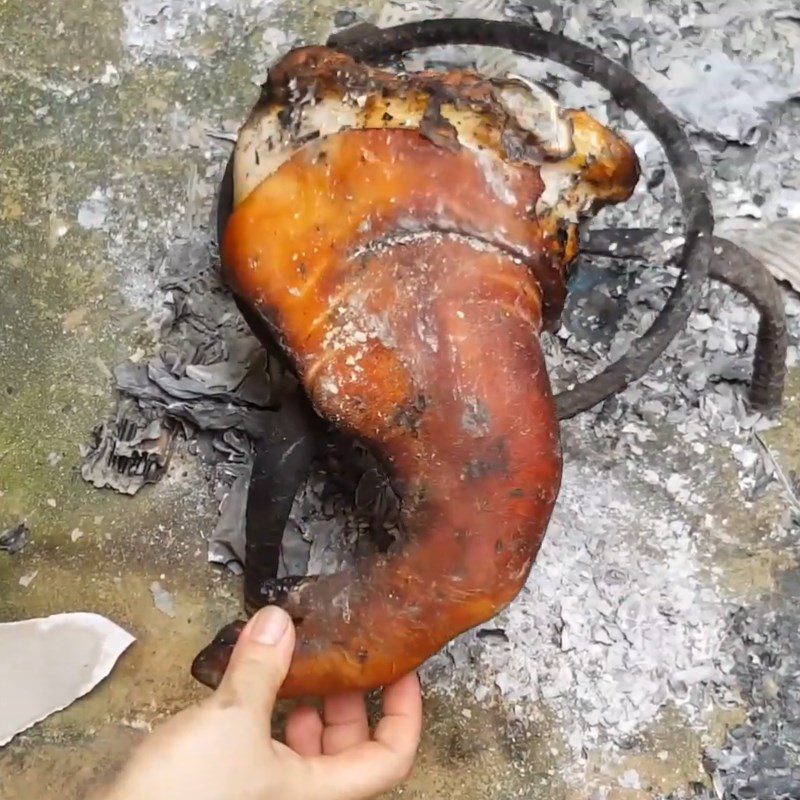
407, 257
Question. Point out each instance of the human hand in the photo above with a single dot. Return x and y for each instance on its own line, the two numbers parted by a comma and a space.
223, 749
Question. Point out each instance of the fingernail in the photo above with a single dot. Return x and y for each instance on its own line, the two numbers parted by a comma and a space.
269, 625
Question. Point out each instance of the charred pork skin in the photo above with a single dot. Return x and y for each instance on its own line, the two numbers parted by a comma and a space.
406, 238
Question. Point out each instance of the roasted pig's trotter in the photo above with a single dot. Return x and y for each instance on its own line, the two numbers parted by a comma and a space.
406, 238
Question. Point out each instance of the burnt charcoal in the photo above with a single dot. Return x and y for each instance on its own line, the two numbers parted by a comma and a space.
14, 539
344, 17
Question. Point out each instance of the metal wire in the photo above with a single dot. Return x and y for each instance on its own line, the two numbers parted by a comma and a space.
743, 272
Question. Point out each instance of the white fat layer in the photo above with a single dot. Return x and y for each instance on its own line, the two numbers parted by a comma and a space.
543, 116
264, 144
562, 188
495, 171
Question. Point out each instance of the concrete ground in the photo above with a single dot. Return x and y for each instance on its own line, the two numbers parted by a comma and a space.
104, 120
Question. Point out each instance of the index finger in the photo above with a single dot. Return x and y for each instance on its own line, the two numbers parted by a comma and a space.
374, 766
401, 725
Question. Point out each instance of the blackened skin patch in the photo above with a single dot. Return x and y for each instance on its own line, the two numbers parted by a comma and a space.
494, 461
410, 416
276, 590
436, 128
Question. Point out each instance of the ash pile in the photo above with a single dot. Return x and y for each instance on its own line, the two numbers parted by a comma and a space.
635, 608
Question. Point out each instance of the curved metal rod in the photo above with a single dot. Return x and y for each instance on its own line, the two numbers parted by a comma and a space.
372, 44
281, 465
743, 272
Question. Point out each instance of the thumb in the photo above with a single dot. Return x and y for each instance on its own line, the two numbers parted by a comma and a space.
259, 662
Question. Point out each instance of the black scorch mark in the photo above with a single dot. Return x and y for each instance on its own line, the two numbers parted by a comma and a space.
494, 461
